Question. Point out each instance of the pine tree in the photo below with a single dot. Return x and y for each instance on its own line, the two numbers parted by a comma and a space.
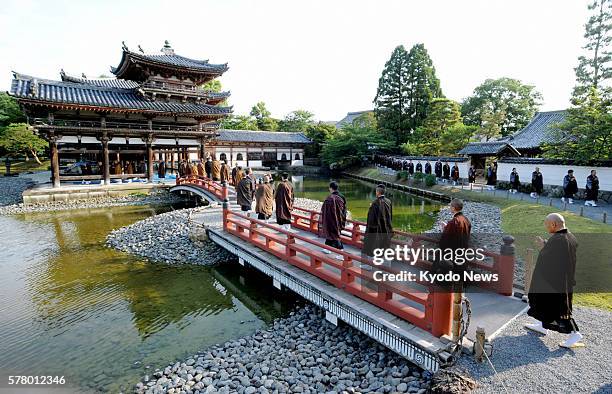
390, 103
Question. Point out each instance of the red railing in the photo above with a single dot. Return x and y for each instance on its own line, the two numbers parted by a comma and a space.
420, 303
217, 189
354, 231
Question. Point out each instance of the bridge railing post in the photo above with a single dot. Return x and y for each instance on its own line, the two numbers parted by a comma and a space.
440, 306
224, 190
226, 212
504, 266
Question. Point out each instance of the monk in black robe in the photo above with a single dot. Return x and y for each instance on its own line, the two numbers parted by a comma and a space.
410, 168
419, 167
284, 202
438, 169
161, 169
592, 189
245, 191
333, 217
455, 174
446, 171
379, 229
537, 183
472, 174
234, 171
553, 281
208, 168
427, 168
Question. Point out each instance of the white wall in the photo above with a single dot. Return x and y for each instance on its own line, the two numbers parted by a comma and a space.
553, 173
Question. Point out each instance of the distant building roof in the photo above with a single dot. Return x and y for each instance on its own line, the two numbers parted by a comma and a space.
101, 82
538, 132
262, 136
487, 148
113, 97
350, 118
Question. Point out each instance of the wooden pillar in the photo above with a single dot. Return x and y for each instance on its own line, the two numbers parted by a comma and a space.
105, 162
55, 177
172, 161
149, 142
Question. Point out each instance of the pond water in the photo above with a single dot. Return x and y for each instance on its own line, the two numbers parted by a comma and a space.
70, 306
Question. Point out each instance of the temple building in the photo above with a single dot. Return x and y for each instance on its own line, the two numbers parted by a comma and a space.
154, 110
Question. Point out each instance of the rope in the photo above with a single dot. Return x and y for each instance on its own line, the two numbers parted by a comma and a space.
456, 345
494, 370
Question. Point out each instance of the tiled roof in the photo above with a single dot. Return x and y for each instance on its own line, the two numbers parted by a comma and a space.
262, 136
486, 148
350, 118
171, 60
102, 82
72, 93
539, 131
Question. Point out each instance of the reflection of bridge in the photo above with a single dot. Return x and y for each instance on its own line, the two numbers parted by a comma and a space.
413, 318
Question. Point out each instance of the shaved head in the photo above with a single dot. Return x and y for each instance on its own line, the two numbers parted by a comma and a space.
554, 222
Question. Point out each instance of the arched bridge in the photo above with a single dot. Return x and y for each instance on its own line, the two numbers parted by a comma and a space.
204, 188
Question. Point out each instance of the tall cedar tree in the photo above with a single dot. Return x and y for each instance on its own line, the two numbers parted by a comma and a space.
586, 133
407, 85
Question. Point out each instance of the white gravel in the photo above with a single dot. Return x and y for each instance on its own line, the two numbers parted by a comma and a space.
530, 363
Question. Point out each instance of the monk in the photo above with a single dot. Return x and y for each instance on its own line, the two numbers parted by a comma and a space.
446, 172
118, 169
245, 191
208, 167
333, 217
216, 170
379, 228
239, 175
201, 170
284, 202
161, 169
194, 169
225, 174
552, 283
234, 171
455, 174
455, 235
264, 199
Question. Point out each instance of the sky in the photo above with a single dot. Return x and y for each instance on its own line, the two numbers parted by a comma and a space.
322, 56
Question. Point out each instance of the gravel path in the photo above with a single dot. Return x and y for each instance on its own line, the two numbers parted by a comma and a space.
302, 353
530, 363
11, 188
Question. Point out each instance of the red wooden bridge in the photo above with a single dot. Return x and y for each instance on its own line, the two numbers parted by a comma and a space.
411, 317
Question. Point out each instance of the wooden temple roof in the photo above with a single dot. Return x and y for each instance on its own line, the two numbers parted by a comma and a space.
104, 96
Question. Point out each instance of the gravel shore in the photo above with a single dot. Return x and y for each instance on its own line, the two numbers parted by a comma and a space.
12, 187
302, 353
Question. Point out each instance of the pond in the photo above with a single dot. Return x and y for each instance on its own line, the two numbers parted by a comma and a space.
70, 306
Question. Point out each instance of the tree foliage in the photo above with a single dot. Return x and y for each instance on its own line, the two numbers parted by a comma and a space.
18, 139
406, 87
349, 145
9, 111
262, 117
239, 122
442, 132
506, 101
319, 133
297, 120
586, 133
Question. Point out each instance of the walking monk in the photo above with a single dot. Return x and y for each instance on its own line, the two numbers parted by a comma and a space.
284, 202
379, 229
333, 217
245, 191
224, 172
216, 170
264, 199
552, 283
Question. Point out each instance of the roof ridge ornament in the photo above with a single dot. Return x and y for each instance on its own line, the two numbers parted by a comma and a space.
140, 49
167, 49
124, 47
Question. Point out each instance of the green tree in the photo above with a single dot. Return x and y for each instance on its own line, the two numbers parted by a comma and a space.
239, 122
19, 139
391, 101
586, 133
9, 111
519, 103
423, 85
491, 125
594, 67
262, 117
348, 146
319, 133
213, 85
297, 120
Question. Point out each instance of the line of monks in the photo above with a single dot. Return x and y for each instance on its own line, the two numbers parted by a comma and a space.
441, 171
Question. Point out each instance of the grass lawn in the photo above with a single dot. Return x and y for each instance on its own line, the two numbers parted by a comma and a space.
524, 220
25, 166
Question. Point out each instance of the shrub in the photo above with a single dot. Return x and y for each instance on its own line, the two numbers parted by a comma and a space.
418, 176
430, 180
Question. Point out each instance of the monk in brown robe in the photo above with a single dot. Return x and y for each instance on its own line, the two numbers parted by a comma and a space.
283, 198
455, 235
245, 191
118, 169
333, 217
552, 283
234, 171
130, 168
216, 170
194, 169
239, 176
201, 170
264, 199
225, 174
379, 228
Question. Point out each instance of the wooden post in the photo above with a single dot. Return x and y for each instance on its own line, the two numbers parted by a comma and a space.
479, 344
505, 266
149, 142
457, 314
105, 162
55, 177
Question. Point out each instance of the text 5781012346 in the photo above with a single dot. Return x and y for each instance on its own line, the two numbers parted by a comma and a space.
23, 380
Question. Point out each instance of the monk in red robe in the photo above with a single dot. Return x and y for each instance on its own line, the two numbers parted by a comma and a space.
284, 202
333, 217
